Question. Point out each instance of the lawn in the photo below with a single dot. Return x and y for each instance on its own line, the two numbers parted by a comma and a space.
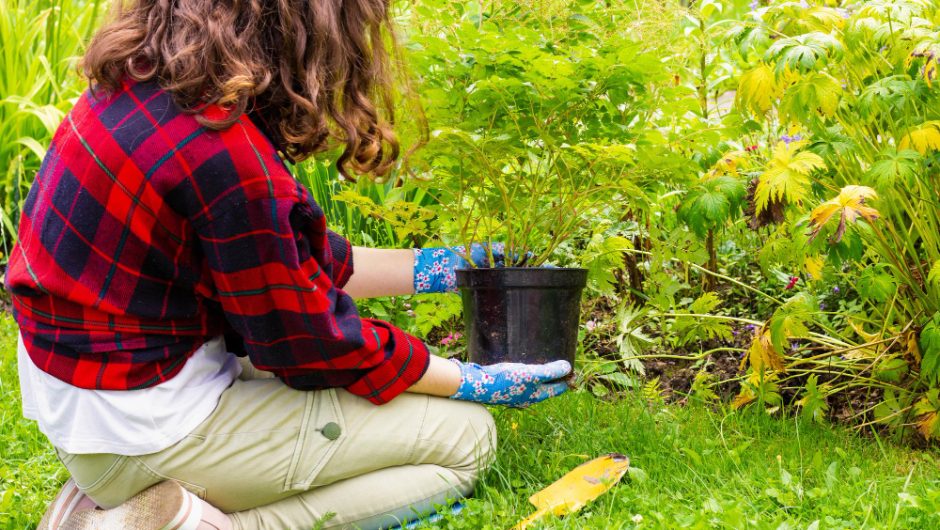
693, 467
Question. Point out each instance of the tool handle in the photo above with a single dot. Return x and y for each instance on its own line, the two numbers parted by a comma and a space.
525, 523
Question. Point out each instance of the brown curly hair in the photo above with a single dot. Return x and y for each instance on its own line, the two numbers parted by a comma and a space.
313, 68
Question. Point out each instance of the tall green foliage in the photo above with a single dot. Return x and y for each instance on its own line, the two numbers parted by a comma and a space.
40, 43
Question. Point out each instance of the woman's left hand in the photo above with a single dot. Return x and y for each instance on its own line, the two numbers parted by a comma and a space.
435, 267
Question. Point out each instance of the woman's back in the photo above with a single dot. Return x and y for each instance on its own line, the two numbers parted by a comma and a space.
110, 281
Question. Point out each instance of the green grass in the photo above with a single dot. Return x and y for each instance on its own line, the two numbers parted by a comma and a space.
693, 467
30, 474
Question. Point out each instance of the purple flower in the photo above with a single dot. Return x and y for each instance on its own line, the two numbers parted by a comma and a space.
835, 289
754, 5
787, 139
822, 306
590, 325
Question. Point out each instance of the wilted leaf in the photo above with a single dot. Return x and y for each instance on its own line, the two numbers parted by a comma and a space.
762, 354
758, 386
849, 205
730, 163
928, 411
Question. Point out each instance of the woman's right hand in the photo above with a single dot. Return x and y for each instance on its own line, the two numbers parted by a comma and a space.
511, 384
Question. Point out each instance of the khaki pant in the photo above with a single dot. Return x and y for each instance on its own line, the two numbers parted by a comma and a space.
278, 458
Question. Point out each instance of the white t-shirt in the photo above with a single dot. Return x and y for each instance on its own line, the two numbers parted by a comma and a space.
127, 422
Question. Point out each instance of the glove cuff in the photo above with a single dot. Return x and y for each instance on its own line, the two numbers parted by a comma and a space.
435, 269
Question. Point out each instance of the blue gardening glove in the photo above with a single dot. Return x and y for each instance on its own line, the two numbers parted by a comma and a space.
435, 266
511, 384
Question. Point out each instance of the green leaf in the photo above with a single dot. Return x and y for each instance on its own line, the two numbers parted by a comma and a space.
933, 277
891, 410
894, 168
819, 92
603, 256
712, 203
804, 53
929, 343
789, 320
706, 303
620, 379
813, 403
891, 370
630, 339
875, 284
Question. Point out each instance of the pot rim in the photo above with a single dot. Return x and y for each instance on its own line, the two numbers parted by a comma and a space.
529, 277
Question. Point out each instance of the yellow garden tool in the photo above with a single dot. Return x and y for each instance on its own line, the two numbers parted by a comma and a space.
578, 487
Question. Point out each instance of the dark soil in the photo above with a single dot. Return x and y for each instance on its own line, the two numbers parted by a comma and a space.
676, 375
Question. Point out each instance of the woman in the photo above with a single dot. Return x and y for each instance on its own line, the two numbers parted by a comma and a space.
163, 235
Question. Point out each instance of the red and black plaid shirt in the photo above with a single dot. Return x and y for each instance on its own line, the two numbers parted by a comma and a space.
145, 234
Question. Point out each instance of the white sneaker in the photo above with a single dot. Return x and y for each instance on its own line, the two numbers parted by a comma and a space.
69, 500
166, 506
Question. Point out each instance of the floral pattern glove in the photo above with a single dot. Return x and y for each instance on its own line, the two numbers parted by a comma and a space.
435, 267
511, 384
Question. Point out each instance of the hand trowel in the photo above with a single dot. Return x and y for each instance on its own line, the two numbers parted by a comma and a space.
578, 487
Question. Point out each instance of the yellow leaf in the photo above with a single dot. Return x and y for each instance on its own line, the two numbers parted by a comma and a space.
813, 265
786, 177
744, 397
729, 163
762, 354
758, 89
869, 337
927, 424
850, 205
913, 346
930, 71
923, 138
750, 388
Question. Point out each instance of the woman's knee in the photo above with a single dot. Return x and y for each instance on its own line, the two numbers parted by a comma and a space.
470, 430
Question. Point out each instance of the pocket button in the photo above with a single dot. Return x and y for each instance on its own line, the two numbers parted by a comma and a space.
331, 431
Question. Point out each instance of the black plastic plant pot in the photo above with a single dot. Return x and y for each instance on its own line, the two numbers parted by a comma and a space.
521, 315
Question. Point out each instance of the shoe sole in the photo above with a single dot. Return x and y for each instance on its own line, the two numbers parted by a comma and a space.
61, 507
166, 506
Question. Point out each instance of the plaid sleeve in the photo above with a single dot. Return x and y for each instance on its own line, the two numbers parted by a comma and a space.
276, 270
342, 261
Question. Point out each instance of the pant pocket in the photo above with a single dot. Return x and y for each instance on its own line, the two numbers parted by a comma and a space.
321, 433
